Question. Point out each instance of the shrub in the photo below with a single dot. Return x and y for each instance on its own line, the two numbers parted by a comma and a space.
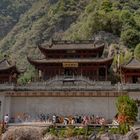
53, 131
137, 51
127, 110
124, 128
69, 132
127, 113
114, 130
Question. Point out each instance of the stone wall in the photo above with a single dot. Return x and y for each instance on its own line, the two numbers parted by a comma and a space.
102, 106
48, 103
2, 100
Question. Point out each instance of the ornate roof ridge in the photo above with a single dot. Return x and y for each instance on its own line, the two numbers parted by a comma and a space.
52, 46
73, 41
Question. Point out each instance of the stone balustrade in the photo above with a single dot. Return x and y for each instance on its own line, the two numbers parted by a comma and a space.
75, 87
77, 83
135, 87
7, 86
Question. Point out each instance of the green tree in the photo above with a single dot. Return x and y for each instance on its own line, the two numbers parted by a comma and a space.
106, 5
130, 37
127, 109
116, 23
127, 18
137, 51
92, 6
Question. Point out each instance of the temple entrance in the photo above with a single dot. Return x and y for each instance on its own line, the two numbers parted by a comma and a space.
134, 79
69, 72
70, 69
102, 73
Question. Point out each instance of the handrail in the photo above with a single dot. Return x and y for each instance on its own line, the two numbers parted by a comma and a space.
44, 124
57, 83
76, 78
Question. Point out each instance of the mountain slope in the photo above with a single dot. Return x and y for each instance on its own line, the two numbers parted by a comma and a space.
42, 22
10, 12
120, 18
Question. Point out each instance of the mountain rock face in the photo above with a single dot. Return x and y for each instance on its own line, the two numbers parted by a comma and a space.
23, 133
43, 20
132, 135
10, 12
35, 133
26, 23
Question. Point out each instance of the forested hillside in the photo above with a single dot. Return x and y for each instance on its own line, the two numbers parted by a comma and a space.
25, 23
10, 12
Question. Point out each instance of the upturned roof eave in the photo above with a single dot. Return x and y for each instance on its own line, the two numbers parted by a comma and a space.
45, 61
130, 65
7, 68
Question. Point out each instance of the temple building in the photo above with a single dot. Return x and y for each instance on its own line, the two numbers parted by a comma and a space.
73, 78
8, 72
130, 72
77, 58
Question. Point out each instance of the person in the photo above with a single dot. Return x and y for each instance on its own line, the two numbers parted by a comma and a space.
102, 121
73, 121
54, 119
97, 119
6, 119
85, 120
115, 122
66, 121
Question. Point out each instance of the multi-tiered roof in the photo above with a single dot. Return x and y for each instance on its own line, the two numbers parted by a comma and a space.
8, 71
131, 71
73, 58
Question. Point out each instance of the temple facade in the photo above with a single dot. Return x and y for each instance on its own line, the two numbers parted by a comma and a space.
130, 72
73, 58
72, 78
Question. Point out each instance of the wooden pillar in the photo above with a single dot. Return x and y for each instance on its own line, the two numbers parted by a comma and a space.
106, 76
37, 76
10, 78
81, 71
59, 73
97, 74
125, 78
40, 74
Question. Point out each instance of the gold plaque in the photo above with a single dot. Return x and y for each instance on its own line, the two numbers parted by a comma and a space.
71, 51
70, 65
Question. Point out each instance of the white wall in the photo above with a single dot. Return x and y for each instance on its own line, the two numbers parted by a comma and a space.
2, 99
103, 106
135, 95
5, 106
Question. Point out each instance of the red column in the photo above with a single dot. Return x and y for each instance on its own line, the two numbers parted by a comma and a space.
106, 76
